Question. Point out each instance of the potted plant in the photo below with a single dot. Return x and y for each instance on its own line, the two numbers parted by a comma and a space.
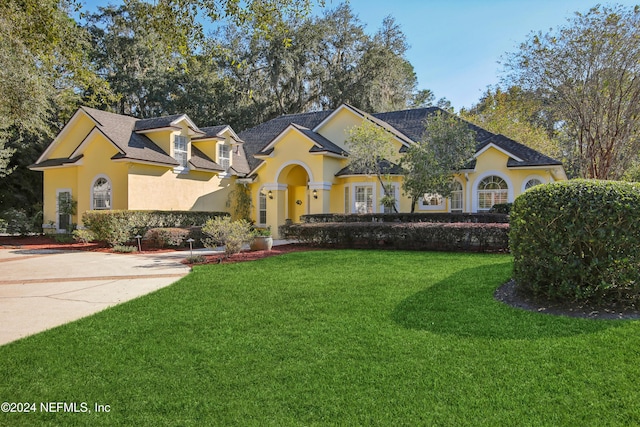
262, 240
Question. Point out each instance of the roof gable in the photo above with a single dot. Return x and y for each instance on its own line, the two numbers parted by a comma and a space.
400, 136
257, 138
68, 128
319, 142
166, 122
520, 155
492, 145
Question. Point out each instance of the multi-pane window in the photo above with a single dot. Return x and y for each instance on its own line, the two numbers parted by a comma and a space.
101, 194
431, 199
532, 183
224, 156
492, 190
364, 199
262, 208
456, 197
180, 150
64, 201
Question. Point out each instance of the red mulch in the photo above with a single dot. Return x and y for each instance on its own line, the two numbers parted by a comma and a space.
254, 255
45, 242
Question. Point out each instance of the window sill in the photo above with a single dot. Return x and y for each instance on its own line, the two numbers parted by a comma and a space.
181, 170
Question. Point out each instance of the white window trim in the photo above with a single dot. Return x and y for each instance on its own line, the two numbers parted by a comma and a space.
529, 178
374, 201
58, 191
93, 183
423, 207
462, 193
180, 168
478, 180
219, 157
262, 191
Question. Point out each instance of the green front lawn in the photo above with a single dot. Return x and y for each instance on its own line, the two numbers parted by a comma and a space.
332, 337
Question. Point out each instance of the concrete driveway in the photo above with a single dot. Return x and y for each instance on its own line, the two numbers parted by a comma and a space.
41, 289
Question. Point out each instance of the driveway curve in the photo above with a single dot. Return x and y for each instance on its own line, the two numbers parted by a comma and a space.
42, 289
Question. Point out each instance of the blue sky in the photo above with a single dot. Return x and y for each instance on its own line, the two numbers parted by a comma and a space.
456, 44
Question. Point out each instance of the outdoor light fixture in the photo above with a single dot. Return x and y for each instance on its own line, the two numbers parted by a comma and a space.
270, 195
315, 194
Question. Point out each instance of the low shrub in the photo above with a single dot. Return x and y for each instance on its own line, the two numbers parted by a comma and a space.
196, 259
415, 236
231, 234
124, 249
578, 241
117, 227
18, 221
83, 235
501, 208
167, 237
63, 238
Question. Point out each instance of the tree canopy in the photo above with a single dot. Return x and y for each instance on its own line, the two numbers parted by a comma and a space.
447, 146
588, 72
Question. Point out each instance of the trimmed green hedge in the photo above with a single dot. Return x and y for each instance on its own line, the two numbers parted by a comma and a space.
579, 241
117, 227
443, 217
476, 237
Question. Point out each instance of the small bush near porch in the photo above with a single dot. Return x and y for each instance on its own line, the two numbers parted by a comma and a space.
331, 338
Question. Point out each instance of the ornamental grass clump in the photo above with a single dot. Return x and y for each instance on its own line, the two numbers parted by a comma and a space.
578, 241
231, 234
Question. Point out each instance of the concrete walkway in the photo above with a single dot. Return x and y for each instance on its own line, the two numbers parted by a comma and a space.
41, 289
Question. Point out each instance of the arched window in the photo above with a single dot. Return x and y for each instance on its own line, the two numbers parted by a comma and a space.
532, 183
491, 191
101, 194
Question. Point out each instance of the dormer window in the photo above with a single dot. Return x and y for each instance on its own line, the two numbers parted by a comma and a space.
180, 150
224, 156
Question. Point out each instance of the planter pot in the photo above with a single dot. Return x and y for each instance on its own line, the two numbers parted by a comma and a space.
261, 243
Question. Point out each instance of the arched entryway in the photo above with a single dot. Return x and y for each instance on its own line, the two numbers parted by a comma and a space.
296, 179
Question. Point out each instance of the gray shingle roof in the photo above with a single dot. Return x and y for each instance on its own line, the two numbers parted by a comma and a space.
155, 122
256, 138
386, 167
528, 156
411, 122
404, 124
120, 130
239, 161
211, 131
199, 160
56, 162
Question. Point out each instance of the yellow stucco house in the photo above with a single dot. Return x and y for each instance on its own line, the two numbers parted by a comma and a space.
293, 165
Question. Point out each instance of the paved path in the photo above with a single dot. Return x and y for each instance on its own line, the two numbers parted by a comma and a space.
41, 289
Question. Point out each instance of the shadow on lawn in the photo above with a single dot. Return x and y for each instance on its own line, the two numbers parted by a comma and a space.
463, 305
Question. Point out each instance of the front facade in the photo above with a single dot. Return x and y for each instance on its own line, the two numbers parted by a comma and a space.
293, 165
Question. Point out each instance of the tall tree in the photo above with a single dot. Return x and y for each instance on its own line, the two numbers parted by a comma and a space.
43, 71
317, 63
589, 72
429, 165
131, 58
519, 115
371, 150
